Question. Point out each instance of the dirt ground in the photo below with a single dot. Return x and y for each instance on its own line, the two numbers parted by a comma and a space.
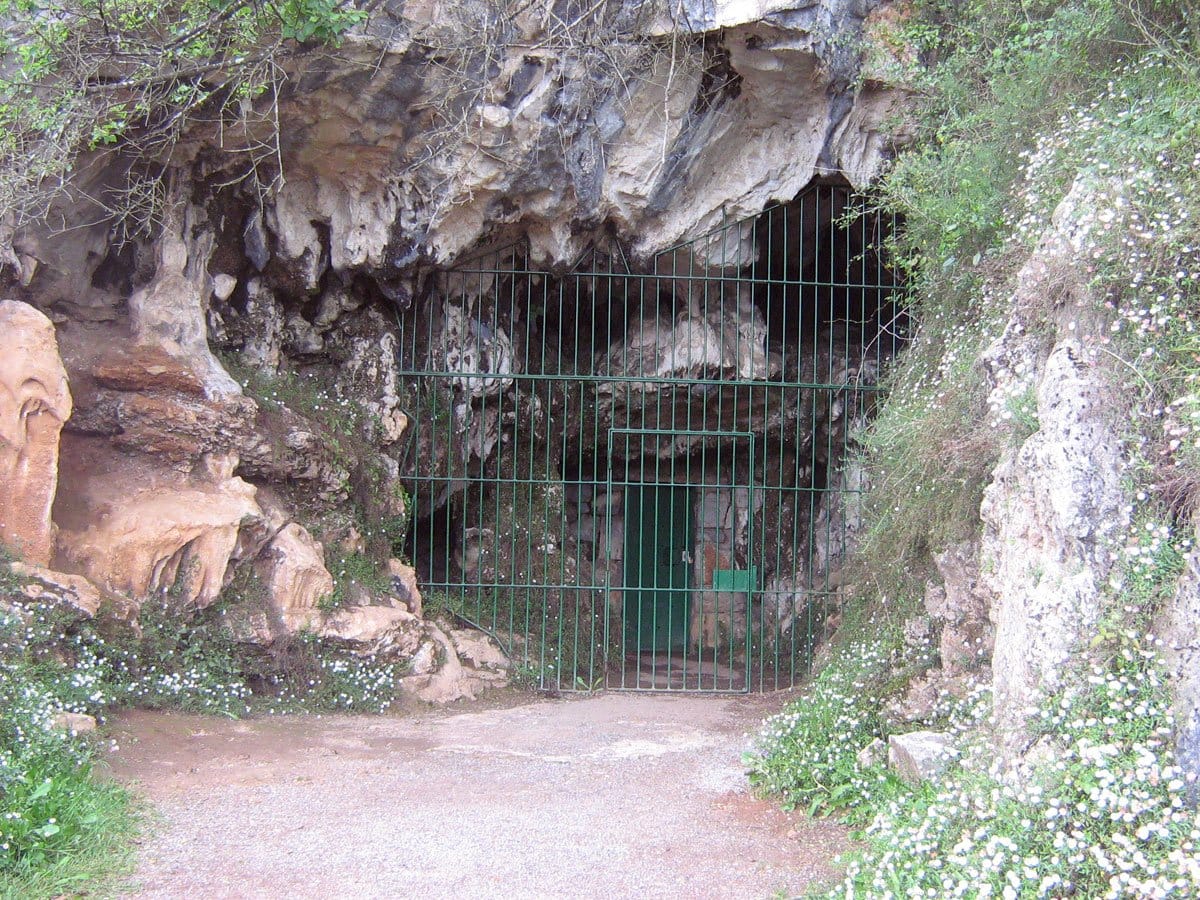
615, 795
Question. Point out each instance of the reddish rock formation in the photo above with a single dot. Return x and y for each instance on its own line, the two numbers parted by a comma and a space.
34, 403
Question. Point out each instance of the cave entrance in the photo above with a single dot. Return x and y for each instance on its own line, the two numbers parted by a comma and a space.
641, 475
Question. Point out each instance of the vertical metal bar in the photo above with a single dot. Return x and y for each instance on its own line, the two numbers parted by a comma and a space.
815, 299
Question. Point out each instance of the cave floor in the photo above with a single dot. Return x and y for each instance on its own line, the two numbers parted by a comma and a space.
611, 795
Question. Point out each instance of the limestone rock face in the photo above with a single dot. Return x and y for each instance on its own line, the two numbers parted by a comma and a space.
1049, 515
44, 585
168, 313
147, 403
1056, 506
1178, 628
654, 121
34, 403
137, 529
292, 570
920, 755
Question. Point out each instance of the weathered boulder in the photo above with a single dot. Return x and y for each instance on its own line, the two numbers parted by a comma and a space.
292, 571
137, 529
478, 650
377, 630
452, 680
920, 755
404, 585
42, 585
34, 403
874, 754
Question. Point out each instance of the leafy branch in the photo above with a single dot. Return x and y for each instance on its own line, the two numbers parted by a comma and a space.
130, 77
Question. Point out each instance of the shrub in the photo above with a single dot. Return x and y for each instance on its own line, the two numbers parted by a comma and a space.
60, 825
1022, 102
1103, 814
808, 754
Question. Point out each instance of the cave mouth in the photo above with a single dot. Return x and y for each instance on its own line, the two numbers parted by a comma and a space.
639, 474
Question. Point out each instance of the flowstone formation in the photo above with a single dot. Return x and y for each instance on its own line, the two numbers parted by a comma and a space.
34, 403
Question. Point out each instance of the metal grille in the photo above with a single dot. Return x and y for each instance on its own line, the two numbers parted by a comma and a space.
637, 476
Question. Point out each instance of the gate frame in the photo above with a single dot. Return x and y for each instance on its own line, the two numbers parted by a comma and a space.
855, 227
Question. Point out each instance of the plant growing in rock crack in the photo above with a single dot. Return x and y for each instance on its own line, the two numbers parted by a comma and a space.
355, 577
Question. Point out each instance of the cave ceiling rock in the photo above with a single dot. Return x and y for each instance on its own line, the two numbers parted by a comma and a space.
389, 151
467, 345
170, 311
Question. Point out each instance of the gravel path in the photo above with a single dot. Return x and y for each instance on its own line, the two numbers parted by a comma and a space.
615, 795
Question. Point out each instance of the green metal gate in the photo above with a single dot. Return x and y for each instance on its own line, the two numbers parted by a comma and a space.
640, 475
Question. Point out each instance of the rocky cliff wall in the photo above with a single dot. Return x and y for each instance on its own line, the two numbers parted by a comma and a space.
1072, 554
236, 412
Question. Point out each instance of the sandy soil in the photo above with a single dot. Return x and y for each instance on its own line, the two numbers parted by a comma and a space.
616, 795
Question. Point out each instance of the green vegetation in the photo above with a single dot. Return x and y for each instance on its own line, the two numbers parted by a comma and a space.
62, 826
1101, 814
304, 674
352, 572
809, 753
133, 76
1086, 114
1101, 811
1024, 103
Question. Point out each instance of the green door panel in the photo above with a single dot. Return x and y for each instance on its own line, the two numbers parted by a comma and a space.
658, 567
